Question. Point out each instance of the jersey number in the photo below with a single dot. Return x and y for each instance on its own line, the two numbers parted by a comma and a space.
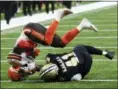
71, 59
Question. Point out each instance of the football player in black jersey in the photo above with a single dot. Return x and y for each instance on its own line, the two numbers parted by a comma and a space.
73, 65
34, 34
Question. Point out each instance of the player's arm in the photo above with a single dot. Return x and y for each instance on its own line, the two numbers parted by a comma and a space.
14, 59
48, 58
51, 57
30, 68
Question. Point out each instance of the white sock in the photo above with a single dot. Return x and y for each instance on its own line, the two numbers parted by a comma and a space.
58, 15
80, 27
104, 52
57, 19
77, 77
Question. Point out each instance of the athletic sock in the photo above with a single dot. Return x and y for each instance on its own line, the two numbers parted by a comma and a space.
50, 32
69, 36
80, 27
58, 16
104, 53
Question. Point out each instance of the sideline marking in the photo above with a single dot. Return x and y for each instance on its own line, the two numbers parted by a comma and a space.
15, 22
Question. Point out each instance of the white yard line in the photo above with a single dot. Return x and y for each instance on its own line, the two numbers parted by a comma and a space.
94, 60
104, 30
74, 25
87, 37
113, 47
93, 20
62, 31
107, 80
84, 80
99, 37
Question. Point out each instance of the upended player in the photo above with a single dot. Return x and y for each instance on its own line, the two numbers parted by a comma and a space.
73, 65
25, 49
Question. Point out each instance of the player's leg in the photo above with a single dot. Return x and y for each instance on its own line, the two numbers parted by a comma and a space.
40, 34
87, 64
50, 32
93, 50
85, 24
85, 60
57, 42
70, 35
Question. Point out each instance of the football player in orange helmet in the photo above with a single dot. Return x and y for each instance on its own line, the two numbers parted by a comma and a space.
25, 49
20, 73
13, 73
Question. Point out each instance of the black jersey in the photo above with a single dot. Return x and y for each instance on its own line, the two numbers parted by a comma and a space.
67, 63
71, 63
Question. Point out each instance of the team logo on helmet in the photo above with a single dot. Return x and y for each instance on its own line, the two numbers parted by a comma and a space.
49, 72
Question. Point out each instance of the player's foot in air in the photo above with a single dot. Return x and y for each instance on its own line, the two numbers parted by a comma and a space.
86, 24
110, 55
63, 13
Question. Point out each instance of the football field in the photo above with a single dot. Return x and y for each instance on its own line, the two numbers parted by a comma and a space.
103, 73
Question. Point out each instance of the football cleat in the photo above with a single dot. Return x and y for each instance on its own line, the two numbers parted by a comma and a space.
62, 13
86, 24
66, 12
110, 55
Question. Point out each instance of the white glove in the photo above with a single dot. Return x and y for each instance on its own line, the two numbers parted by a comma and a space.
77, 77
31, 65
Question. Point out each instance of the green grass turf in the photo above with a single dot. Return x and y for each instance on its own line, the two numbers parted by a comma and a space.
105, 19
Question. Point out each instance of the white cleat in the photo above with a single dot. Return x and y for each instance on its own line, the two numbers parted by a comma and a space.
62, 13
86, 24
66, 12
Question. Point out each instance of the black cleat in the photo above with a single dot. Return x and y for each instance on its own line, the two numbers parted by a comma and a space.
110, 55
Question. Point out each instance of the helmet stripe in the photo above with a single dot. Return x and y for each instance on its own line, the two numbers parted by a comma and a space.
46, 71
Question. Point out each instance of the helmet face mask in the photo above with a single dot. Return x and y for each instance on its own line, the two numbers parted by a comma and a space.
49, 72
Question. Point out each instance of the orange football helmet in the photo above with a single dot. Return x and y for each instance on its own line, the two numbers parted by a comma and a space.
13, 73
